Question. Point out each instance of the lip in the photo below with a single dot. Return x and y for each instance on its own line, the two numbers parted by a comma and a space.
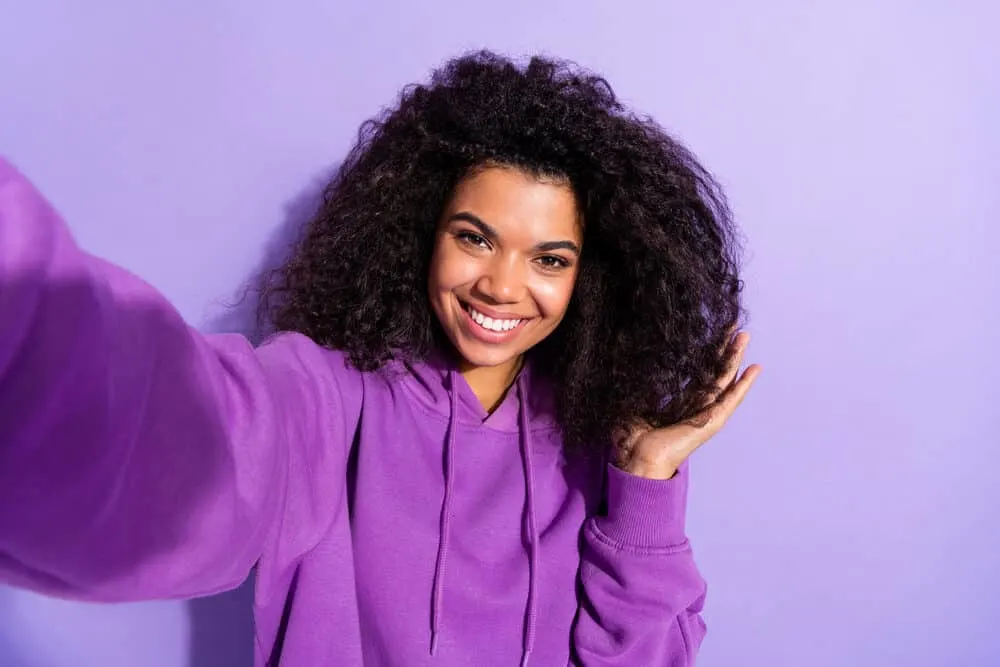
486, 335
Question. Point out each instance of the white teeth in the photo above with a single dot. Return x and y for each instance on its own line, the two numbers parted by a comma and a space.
490, 323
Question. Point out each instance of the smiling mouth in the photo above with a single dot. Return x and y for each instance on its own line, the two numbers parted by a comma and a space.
491, 325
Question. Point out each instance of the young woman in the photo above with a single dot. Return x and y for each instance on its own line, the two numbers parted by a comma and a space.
508, 326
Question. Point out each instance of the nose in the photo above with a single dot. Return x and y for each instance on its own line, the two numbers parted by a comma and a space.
503, 281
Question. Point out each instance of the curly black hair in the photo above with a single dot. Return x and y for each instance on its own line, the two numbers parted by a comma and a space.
658, 289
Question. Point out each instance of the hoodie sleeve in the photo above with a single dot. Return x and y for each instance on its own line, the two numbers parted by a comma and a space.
140, 459
641, 592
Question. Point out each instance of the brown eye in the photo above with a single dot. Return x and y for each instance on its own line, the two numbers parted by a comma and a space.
473, 239
552, 262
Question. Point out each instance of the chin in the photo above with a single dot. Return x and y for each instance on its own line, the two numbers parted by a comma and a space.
476, 355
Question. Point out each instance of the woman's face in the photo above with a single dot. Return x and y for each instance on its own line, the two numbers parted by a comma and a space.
506, 257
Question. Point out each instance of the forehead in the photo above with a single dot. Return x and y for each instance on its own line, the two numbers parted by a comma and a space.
515, 202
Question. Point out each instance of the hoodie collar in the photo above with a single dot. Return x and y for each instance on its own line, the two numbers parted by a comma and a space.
432, 381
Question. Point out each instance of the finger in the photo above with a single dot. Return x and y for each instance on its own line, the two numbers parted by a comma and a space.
734, 329
733, 397
731, 333
734, 359
700, 428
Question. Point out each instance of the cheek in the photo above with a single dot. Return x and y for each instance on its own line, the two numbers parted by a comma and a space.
450, 268
553, 296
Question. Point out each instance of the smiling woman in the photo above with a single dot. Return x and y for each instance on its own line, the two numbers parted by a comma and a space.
503, 270
501, 336
654, 294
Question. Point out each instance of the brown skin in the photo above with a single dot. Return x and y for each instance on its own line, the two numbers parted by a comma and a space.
508, 245
658, 453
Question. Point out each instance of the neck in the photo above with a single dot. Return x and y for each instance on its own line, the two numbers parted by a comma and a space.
490, 383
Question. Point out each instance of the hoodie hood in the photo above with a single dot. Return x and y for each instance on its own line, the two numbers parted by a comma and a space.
429, 382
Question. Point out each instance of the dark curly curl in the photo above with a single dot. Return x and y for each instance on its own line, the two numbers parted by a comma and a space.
658, 288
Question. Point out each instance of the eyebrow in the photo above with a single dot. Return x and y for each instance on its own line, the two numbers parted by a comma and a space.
492, 235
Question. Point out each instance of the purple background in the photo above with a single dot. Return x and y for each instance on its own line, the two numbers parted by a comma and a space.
848, 516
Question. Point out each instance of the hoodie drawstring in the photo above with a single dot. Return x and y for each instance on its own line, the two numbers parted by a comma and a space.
531, 609
445, 521
531, 613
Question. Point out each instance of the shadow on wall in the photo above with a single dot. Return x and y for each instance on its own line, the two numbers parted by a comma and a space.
222, 625
240, 315
222, 629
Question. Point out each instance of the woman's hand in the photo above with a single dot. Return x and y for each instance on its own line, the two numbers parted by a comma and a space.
658, 453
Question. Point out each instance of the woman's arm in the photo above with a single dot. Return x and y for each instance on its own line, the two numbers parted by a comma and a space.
641, 591
138, 458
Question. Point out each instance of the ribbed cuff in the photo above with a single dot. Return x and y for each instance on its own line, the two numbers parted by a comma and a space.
645, 513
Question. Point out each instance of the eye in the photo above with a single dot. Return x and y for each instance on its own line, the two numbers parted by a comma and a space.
473, 239
553, 262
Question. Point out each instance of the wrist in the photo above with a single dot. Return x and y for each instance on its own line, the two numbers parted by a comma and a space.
649, 470
644, 512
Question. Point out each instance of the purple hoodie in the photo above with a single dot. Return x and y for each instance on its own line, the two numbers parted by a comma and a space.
392, 522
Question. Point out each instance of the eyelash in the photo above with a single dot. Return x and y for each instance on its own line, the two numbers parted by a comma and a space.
479, 242
473, 239
559, 262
